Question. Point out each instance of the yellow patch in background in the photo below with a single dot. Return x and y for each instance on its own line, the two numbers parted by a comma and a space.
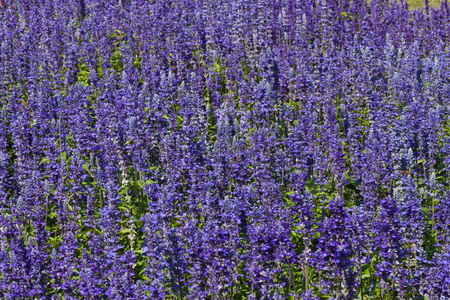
421, 3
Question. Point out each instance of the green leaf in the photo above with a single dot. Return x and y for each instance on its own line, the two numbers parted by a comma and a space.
44, 160
125, 231
149, 181
86, 168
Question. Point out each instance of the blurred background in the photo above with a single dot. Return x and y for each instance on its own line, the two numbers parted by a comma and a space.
421, 3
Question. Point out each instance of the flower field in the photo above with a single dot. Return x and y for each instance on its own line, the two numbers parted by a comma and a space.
224, 149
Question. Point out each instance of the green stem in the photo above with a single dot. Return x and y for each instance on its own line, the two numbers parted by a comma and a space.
291, 278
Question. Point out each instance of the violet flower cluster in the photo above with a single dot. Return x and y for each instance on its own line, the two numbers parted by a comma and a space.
224, 149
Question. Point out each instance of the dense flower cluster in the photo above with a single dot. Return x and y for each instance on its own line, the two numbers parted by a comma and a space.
224, 149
